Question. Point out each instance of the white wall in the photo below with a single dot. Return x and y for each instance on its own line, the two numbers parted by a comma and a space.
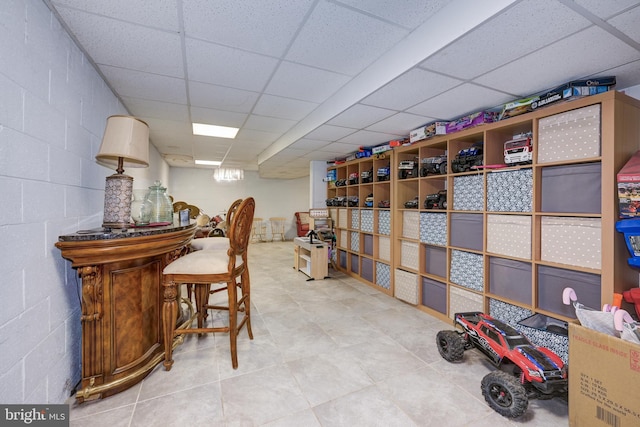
274, 197
53, 110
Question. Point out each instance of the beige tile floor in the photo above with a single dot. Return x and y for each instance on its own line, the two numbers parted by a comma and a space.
334, 352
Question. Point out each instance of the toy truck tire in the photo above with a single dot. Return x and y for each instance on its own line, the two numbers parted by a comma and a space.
450, 345
443, 168
505, 394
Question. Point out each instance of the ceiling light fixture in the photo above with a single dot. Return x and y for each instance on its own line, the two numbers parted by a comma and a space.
213, 130
226, 174
208, 162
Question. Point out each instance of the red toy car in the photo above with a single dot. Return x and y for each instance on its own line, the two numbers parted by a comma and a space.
525, 369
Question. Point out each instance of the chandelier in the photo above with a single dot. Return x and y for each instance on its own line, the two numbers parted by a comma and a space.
227, 174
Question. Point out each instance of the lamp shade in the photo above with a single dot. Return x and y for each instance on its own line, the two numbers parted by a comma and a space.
125, 137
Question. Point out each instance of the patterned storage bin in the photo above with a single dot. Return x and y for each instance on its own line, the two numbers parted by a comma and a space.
433, 228
571, 135
411, 225
355, 219
342, 218
366, 220
406, 286
509, 235
467, 270
468, 193
571, 240
383, 275
462, 301
355, 241
510, 191
409, 255
384, 248
384, 222
344, 241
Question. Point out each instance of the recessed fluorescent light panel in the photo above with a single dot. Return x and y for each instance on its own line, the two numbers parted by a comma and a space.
213, 130
208, 162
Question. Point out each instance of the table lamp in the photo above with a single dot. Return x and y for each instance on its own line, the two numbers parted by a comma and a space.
125, 142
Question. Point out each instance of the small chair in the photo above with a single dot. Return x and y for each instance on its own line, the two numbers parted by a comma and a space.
258, 230
277, 227
204, 267
302, 223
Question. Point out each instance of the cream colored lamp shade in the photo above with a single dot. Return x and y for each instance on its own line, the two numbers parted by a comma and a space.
125, 143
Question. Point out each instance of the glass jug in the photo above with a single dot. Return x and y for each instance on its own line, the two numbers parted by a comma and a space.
141, 207
161, 206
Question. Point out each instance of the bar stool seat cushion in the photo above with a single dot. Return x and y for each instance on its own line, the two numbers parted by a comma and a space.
214, 261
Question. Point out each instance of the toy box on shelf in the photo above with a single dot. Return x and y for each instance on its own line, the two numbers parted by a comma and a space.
629, 188
424, 132
475, 119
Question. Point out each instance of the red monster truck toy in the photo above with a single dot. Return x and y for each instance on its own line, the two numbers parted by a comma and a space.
525, 369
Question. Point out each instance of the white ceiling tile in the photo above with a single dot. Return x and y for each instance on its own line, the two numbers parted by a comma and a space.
217, 117
309, 144
266, 26
368, 138
268, 124
606, 9
224, 66
339, 39
329, 133
503, 38
542, 70
407, 13
306, 83
360, 116
340, 148
152, 13
447, 105
284, 108
148, 86
409, 89
161, 110
92, 30
220, 97
629, 23
626, 75
256, 135
401, 123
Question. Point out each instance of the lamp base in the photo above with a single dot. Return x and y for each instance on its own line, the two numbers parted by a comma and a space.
118, 192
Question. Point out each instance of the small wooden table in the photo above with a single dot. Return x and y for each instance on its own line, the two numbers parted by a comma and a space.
311, 259
122, 297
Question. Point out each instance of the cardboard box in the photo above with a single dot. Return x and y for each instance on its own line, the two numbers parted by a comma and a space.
629, 188
428, 131
475, 119
604, 379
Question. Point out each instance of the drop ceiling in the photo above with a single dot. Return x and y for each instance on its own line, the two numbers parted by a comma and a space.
316, 79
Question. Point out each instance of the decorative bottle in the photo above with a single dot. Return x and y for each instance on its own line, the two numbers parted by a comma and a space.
162, 208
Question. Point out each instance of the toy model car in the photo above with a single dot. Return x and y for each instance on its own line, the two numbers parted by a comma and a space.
525, 369
330, 201
436, 200
384, 173
353, 178
352, 201
368, 202
412, 204
340, 201
467, 158
434, 165
384, 204
341, 182
366, 176
408, 169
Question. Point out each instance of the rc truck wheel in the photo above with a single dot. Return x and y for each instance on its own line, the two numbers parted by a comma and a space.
443, 168
504, 394
450, 345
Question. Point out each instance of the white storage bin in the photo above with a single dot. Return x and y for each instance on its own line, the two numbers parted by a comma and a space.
384, 248
355, 219
343, 218
409, 255
463, 301
411, 225
570, 135
355, 241
406, 286
366, 220
384, 222
344, 241
509, 235
571, 240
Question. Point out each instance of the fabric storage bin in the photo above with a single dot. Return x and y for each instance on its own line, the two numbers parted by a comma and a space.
355, 263
355, 241
433, 228
384, 223
468, 193
355, 219
343, 218
436, 260
343, 243
411, 225
466, 231
406, 286
366, 220
510, 279
434, 295
552, 281
461, 301
333, 214
383, 275
366, 269
409, 255
510, 191
368, 244
509, 235
342, 255
570, 135
384, 248
572, 188
467, 270
571, 240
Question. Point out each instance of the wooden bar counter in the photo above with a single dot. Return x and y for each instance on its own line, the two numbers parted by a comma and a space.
122, 299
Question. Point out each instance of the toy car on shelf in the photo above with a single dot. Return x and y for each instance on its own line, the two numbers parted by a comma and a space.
368, 202
434, 165
526, 371
341, 182
384, 174
340, 201
519, 150
366, 176
436, 200
353, 178
408, 169
351, 201
412, 204
468, 157
385, 204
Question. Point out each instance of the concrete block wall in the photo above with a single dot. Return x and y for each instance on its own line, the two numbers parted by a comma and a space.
53, 109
